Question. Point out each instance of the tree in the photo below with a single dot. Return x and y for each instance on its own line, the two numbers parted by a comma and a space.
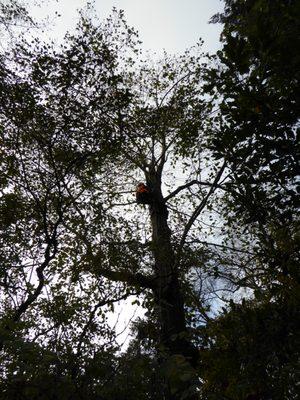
259, 135
258, 78
41, 182
81, 125
259, 106
251, 353
80, 128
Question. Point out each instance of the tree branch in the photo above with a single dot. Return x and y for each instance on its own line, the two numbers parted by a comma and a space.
49, 256
191, 183
172, 87
52, 243
93, 313
131, 279
222, 246
198, 210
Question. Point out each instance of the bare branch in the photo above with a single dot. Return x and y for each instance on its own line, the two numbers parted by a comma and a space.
173, 86
222, 246
198, 210
191, 183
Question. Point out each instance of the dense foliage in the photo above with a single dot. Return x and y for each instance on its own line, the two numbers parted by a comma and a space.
213, 261
256, 342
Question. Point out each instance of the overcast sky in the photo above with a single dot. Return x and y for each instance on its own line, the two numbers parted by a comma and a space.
172, 25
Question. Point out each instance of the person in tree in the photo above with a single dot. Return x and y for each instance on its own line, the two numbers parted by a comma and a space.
143, 194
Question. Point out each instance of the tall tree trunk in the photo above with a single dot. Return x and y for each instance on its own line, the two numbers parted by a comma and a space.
168, 295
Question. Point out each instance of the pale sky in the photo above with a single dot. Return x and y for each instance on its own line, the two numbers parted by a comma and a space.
173, 25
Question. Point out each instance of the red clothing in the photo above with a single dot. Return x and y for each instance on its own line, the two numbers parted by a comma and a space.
143, 194
142, 189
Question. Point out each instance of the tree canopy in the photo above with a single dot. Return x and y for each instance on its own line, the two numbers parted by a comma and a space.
212, 260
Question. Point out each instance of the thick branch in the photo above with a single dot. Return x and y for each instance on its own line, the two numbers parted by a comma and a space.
131, 279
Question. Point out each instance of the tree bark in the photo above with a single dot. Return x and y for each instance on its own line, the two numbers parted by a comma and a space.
168, 294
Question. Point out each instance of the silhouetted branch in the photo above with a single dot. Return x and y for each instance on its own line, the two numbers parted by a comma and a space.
198, 210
